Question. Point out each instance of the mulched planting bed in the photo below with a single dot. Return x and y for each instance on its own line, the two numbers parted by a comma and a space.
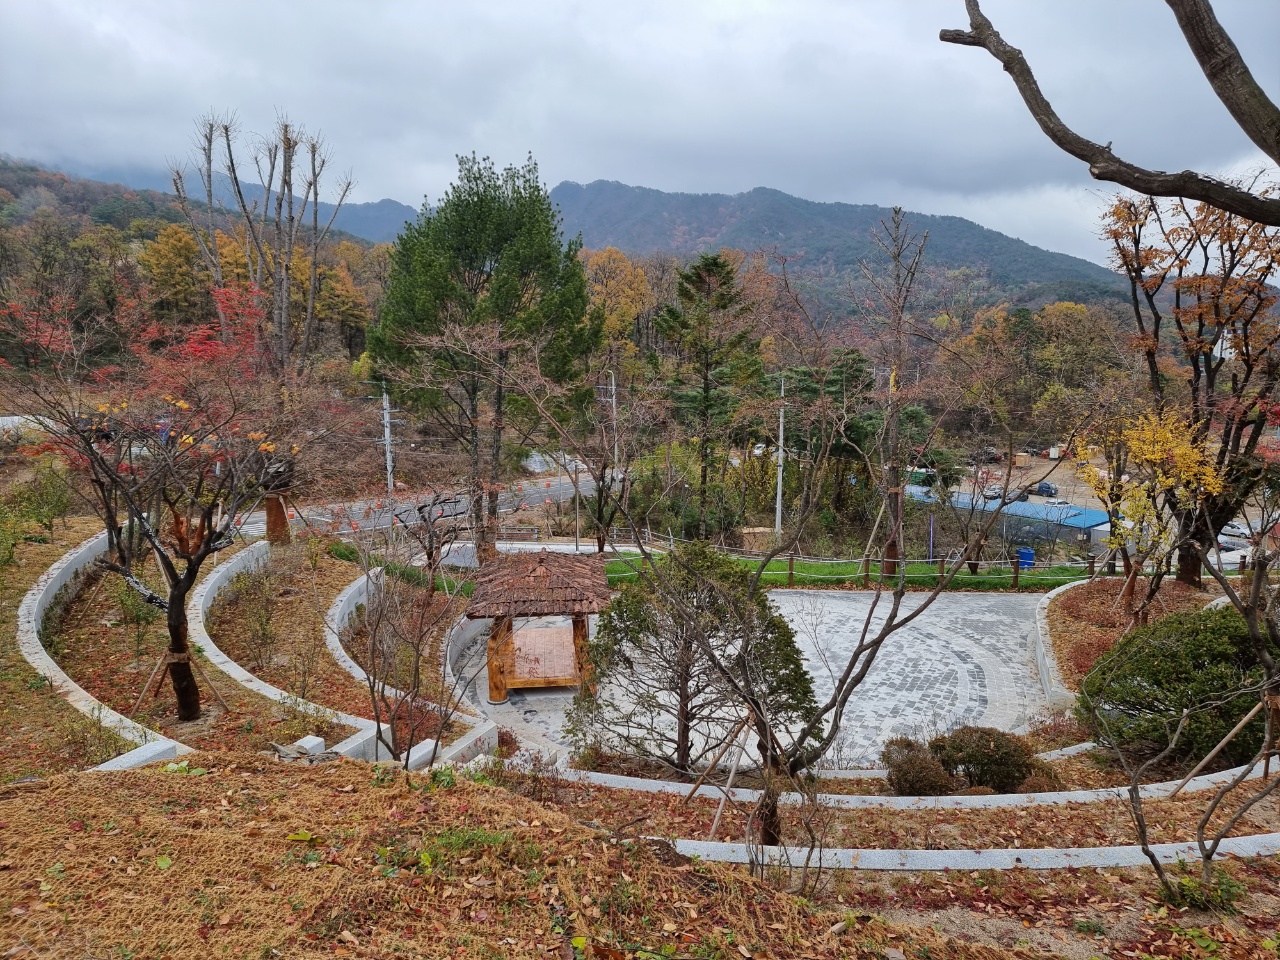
111, 660
39, 732
293, 656
251, 858
1086, 621
1103, 823
1092, 770
442, 615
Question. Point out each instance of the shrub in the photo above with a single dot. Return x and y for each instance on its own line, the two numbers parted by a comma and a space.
975, 792
1185, 661
984, 756
44, 498
913, 771
1042, 779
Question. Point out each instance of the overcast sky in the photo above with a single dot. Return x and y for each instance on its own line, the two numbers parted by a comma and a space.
852, 100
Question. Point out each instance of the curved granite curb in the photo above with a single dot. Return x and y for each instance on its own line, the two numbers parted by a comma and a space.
336, 618
1055, 691
35, 604
362, 745
483, 735
1259, 845
1151, 791
874, 773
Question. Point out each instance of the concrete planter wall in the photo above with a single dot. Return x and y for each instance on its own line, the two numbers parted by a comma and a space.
1262, 845
31, 613
1055, 691
482, 734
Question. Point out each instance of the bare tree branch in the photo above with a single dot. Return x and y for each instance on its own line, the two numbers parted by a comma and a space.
1231, 80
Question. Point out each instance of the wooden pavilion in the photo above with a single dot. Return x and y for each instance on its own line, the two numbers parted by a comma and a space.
529, 585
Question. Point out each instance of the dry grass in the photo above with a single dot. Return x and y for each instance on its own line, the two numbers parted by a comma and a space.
39, 733
259, 859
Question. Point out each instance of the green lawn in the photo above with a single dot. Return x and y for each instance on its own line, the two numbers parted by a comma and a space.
831, 573
919, 575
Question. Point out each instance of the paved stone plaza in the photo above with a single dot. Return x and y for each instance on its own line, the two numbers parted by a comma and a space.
967, 659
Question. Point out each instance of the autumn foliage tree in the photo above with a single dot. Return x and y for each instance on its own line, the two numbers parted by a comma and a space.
1167, 471
1202, 302
173, 442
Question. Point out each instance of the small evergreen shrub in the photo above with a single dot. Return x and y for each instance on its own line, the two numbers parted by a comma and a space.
1182, 662
913, 771
975, 792
984, 756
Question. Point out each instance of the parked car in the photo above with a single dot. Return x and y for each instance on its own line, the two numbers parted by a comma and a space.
1057, 502
1227, 544
1238, 530
986, 455
758, 450
1012, 495
1046, 489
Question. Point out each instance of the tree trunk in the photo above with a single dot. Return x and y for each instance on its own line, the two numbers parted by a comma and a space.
495, 454
277, 520
683, 695
185, 690
975, 553
479, 532
767, 807
702, 451
1189, 567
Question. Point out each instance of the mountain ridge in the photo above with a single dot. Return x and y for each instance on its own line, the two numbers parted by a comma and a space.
827, 237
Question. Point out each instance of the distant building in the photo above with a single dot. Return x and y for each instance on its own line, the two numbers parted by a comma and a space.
1026, 522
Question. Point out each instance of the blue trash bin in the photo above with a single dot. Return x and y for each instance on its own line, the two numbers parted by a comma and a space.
1026, 558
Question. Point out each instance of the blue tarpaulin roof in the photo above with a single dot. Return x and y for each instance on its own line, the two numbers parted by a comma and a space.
1079, 518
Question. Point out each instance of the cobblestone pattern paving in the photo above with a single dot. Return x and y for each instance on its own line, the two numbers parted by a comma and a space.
968, 659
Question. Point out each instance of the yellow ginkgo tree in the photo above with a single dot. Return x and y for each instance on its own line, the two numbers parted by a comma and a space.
1166, 469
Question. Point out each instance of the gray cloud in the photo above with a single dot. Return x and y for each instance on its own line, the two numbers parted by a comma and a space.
827, 99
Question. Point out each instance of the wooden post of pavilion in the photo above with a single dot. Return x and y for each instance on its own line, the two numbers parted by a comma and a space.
580, 655
500, 651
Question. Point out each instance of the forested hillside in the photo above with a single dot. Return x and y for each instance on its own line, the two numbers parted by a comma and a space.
824, 238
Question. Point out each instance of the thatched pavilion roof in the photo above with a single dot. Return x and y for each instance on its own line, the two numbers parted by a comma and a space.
539, 585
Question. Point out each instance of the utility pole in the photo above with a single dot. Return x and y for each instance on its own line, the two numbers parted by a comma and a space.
577, 520
613, 399
386, 440
777, 515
